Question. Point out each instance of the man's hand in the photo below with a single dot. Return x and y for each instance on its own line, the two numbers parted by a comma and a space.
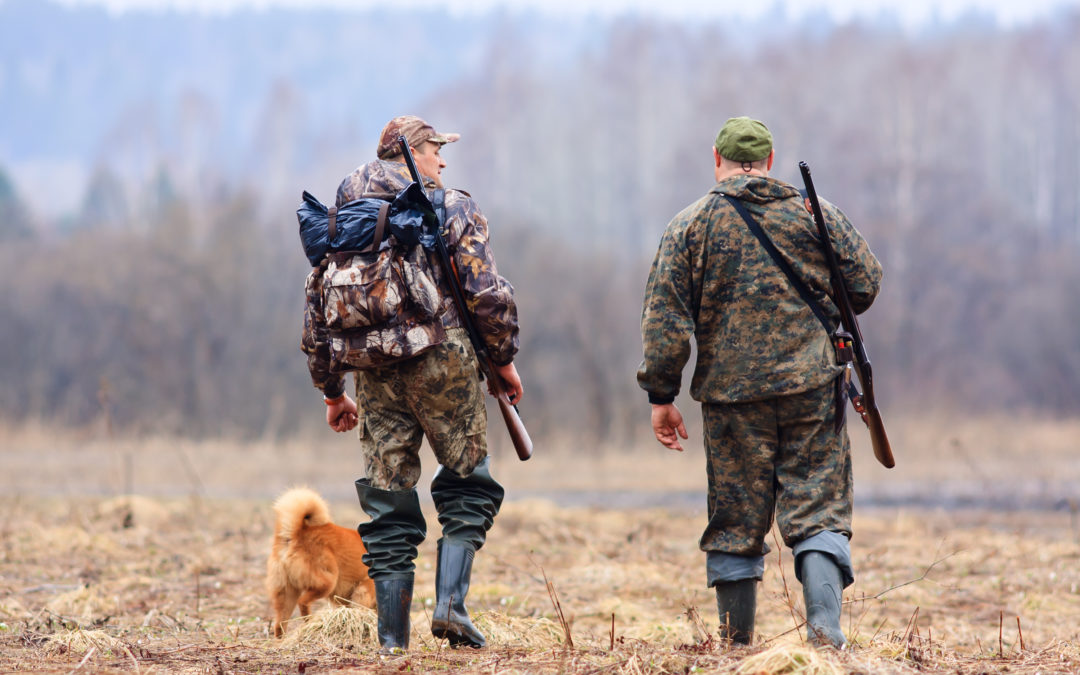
511, 382
667, 424
341, 416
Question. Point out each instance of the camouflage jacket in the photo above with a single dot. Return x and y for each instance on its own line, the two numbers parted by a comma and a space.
713, 280
490, 297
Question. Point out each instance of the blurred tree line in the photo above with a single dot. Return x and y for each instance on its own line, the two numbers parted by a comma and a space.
174, 305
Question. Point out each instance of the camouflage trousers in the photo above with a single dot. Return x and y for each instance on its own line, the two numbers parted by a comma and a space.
437, 395
783, 457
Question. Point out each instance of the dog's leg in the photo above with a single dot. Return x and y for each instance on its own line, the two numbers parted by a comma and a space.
310, 596
284, 601
364, 593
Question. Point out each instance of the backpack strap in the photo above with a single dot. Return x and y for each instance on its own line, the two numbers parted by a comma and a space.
800, 287
380, 226
332, 226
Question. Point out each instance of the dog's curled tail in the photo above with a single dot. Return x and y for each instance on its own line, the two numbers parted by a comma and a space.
298, 508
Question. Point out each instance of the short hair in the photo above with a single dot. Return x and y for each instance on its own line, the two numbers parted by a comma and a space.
761, 164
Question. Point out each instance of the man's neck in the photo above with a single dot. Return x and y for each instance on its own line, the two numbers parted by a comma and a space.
724, 174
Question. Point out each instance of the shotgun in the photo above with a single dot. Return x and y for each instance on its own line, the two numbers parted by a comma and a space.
518, 434
864, 402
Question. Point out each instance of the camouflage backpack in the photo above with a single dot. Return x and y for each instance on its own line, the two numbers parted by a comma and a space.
380, 303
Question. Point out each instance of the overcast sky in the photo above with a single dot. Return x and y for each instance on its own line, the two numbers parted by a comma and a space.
911, 12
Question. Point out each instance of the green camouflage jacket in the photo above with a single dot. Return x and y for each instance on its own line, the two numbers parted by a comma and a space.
713, 280
489, 296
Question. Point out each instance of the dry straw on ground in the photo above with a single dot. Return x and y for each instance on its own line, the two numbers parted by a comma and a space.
936, 593
81, 641
149, 584
335, 629
788, 659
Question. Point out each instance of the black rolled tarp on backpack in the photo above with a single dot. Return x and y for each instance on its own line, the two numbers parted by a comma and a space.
410, 219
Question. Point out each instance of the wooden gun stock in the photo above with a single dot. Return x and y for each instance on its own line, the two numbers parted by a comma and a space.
519, 435
880, 441
867, 408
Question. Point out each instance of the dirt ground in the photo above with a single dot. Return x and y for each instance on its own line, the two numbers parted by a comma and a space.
155, 585
94, 579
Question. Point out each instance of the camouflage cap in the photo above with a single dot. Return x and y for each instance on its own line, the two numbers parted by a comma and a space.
742, 139
414, 129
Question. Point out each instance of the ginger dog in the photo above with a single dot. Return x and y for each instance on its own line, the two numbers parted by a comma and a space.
312, 558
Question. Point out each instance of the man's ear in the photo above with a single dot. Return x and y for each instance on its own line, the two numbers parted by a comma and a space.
768, 165
716, 157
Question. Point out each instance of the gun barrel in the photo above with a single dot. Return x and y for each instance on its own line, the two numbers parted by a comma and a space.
409, 161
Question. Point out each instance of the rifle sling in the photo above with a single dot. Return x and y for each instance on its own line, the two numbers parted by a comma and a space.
800, 287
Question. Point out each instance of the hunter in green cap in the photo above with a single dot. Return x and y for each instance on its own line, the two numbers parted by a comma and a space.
742, 139
767, 376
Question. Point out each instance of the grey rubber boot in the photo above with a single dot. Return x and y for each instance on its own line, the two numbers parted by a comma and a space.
736, 602
822, 586
393, 599
450, 619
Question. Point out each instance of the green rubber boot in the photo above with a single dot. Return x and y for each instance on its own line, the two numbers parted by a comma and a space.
397, 527
467, 508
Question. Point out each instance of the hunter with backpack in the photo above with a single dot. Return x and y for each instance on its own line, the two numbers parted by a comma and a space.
379, 305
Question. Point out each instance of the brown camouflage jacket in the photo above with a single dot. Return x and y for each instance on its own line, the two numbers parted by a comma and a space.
713, 280
489, 296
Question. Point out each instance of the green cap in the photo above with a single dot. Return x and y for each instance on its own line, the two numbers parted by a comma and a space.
742, 139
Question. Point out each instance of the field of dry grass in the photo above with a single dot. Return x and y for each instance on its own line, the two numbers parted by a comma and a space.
169, 578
